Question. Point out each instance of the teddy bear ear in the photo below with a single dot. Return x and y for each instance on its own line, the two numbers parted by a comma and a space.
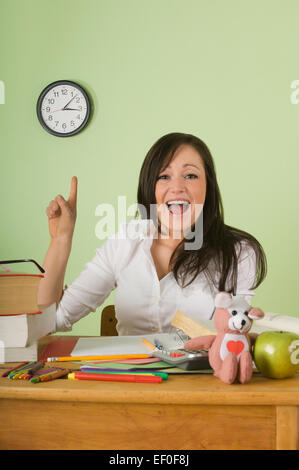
223, 300
256, 313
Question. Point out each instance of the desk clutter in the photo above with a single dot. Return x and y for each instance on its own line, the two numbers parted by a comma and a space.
149, 359
22, 323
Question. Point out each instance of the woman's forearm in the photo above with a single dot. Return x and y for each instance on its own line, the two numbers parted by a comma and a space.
51, 286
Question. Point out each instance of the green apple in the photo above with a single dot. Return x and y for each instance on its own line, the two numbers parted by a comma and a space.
276, 354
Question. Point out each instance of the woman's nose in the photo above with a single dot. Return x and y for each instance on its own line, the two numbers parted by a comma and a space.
177, 184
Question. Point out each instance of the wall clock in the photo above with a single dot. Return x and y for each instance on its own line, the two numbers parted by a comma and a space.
63, 108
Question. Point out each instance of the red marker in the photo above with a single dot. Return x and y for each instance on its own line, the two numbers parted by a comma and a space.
114, 377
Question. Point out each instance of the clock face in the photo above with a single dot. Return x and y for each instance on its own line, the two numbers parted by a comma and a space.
63, 108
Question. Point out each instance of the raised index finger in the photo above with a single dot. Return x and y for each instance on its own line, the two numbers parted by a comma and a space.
73, 192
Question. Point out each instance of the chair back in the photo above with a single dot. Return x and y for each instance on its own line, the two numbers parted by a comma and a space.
108, 321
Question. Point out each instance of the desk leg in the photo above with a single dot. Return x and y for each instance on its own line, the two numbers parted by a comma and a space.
287, 428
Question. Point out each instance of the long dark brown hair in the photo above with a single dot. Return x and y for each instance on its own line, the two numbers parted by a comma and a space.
221, 245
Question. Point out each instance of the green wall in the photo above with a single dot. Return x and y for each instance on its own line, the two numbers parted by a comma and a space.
221, 70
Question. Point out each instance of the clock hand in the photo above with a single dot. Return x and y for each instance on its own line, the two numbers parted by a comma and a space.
69, 102
71, 109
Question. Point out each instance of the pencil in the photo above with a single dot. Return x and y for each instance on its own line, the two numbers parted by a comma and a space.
114, 377
147, 343
98, 358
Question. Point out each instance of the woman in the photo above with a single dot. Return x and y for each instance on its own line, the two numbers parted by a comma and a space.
178, 255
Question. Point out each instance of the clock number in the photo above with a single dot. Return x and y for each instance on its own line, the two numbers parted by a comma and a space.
64, 91
56, 123
78, 117
72, 123
50, 118
51, 101
56, 94
48, 109
63, 125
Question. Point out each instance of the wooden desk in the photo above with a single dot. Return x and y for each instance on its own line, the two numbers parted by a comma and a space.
185, 412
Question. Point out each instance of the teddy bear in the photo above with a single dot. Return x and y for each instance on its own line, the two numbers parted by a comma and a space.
230, 350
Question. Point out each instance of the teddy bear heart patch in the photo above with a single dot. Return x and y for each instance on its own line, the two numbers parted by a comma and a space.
235, 346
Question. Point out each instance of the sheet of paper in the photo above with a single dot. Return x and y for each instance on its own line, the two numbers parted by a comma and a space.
112, 345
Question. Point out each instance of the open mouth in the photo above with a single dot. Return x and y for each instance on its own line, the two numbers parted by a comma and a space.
178, 207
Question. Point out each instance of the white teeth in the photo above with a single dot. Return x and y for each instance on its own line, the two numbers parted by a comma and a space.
178, 202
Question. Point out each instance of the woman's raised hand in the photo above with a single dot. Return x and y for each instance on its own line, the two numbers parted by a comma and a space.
62, 214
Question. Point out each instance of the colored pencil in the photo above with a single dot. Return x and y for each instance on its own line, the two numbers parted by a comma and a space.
98, 358
114, 377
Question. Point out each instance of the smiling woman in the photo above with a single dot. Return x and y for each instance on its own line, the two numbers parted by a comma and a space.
157, 270
180, 167
180, 192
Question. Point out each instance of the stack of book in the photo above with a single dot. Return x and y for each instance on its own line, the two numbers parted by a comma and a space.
22, 323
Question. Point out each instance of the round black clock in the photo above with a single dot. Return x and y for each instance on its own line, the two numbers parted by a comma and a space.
63, 108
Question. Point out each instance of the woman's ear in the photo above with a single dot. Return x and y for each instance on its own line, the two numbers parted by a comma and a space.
223, 300
256, 313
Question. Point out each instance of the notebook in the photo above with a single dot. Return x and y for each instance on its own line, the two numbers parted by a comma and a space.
113, 345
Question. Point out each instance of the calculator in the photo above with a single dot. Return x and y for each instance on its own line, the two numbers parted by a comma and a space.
184, 358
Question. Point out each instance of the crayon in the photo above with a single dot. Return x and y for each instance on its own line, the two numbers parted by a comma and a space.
45, 371
7, 372
19, 369
52, 376
31, 370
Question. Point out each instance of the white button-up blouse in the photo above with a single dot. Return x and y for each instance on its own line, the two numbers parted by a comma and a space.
143, 304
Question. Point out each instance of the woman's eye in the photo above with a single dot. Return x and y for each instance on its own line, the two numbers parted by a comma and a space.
191, 176
162, 177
